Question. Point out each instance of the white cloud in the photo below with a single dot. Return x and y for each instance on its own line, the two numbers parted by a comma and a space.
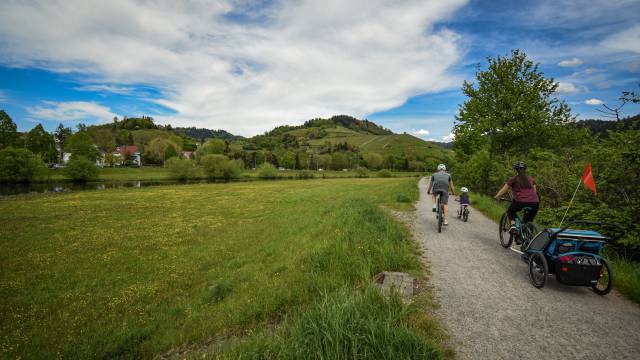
4, 98
122, 90
571, 63
71, 111
449, 138
307, 59
422, 132
594, 101
569, 88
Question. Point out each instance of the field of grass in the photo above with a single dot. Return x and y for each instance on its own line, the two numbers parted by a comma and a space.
118, 174
627, 273
137, 272
149, 173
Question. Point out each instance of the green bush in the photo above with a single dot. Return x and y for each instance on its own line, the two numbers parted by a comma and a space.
233, 169
305, 174
19, 165
362, 172
267, 171
182, 169
384, 173
214, 165
81, 169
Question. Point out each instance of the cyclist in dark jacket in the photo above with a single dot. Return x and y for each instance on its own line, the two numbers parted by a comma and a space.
524, 192
441, 182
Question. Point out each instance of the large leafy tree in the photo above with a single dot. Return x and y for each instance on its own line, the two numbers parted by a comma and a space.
510, 108
8, 130
42, 143
81, 144
60, 135
159, 150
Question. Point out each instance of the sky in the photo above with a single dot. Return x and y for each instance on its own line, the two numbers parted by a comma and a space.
248, 66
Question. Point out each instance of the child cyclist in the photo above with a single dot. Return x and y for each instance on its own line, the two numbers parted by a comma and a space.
464, 200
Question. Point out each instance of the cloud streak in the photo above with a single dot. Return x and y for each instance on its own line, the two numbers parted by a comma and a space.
570, 63
293, 61
71, 111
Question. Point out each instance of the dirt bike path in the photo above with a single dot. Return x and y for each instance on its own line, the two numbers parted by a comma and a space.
492, 311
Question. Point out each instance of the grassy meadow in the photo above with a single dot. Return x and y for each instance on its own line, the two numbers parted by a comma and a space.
135, 273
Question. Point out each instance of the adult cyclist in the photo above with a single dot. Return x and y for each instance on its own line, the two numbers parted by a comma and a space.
524, 192
441, 182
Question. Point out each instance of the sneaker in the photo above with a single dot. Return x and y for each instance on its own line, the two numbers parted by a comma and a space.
434, 209
513, 230
445, 222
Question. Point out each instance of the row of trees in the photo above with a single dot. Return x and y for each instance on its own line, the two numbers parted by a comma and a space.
510, 115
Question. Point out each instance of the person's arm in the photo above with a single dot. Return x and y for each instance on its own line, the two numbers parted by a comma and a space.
502, 191
453, 189
430, 185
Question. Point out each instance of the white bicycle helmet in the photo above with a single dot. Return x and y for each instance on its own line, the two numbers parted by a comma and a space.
442, 167
464, 189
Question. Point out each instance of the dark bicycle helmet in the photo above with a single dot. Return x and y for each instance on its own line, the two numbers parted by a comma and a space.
519, 165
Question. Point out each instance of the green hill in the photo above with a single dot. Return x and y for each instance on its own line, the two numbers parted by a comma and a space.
335, 143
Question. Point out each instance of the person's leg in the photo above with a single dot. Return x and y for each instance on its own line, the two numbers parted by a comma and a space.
444, 198
433, 197
531, 214
512, 211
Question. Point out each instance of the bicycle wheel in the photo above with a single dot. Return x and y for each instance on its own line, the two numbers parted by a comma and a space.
505, 237
538, 269
605, 282
465, 215
529, 230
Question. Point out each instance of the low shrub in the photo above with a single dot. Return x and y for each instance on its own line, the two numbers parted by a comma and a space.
19, 165
362, 172
267, 171
217, 166
181, 169
384, 173
81, 169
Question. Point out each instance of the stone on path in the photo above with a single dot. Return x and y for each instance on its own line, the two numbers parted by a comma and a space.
403, 283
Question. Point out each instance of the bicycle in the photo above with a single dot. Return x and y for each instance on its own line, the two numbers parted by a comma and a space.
439, 211
463, 212
524, 231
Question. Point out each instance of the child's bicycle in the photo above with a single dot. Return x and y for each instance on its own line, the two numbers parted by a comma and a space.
463, 211
524, 231
574, 256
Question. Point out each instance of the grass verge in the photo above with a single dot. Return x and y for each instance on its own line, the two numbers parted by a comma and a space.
627, 273
136, 272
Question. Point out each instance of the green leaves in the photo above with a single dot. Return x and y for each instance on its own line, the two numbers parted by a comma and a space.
509, 108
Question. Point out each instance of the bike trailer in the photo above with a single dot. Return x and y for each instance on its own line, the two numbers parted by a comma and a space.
573, 255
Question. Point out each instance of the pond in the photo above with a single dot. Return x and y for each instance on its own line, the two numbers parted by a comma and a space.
62, 186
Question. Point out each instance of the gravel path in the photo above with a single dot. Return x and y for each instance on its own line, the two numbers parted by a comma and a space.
492, 311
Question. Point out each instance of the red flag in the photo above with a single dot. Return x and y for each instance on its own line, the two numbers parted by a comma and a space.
587, 179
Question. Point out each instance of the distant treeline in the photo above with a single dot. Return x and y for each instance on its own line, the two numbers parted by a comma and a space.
202, 133
601, 127
349, 122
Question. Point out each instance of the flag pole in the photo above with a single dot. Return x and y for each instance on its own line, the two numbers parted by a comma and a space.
570, 202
